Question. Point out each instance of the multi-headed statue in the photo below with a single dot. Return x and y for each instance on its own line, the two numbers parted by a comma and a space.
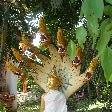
65, 78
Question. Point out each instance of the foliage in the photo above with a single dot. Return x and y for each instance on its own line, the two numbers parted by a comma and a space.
31, 86
15, 16
81, 34
29, 107
2, 108
71, 49
105, 33
106, 60
99, 28
92, 7
109, 1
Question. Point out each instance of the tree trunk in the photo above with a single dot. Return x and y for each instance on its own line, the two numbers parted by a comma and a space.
24, 85
12, 87
11, 80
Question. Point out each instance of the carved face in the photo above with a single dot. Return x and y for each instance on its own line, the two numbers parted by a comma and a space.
76, 62
23, 46
53, 83
45, 39
61, 50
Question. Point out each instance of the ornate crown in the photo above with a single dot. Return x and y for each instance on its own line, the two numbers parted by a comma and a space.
55, 76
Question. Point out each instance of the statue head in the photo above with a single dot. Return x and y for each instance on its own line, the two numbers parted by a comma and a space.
53, 80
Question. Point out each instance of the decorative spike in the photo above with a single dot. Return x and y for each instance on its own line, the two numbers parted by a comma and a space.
91, 68
93, 64
24, 44
42, 25
45, 35
17, 55
78, 58
79, 52
61, 43
13, 68
60, 38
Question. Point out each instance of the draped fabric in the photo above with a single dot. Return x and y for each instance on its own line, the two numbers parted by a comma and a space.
55, 101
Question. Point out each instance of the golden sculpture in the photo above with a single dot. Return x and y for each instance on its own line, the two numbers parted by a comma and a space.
71, 77
53, 80
56, 61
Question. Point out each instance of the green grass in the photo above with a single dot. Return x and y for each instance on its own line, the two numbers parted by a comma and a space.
31, 106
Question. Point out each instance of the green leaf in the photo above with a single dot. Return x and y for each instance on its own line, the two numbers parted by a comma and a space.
81, 34
110, 79
92, 10
102, 43
108, 10
109, 1
84, 8
105, 34
106, 62
97, 7
71, 49
90, 7
93, 26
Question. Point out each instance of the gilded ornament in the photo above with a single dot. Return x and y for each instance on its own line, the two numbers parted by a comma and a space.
13, 68
44, 34
53, 80
60, 38
17, 55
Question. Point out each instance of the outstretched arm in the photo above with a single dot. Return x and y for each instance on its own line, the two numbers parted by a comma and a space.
80, 80
75, 85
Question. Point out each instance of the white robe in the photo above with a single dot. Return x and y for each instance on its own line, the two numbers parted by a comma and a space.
55, 101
